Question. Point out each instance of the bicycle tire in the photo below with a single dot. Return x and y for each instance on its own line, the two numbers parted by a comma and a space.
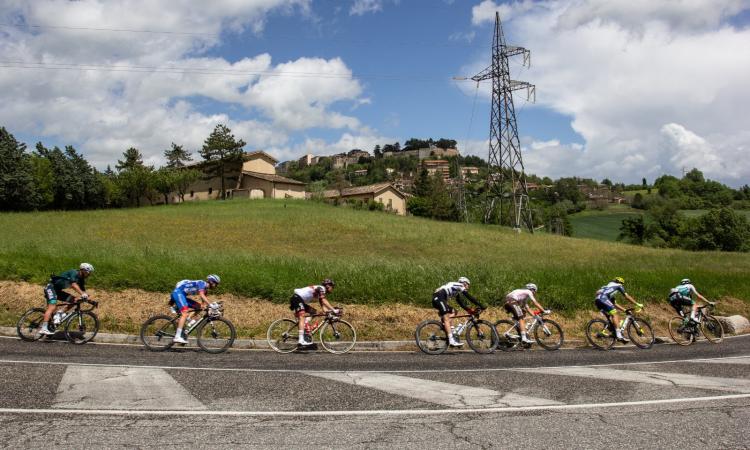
599, 334
679, 333
78, 330
481, 336
29, 323
282, 335
158, 331
338, 336
431, 337
550, 341
215, 340
712, 329
507, 334
640, 333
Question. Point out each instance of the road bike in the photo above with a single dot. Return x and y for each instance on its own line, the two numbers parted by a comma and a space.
685, 331
336, 334
80, 325
601, 333
480, 335
215, 333
547, 333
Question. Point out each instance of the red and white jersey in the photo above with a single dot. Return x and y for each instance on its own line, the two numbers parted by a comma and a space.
311, 292
520, 296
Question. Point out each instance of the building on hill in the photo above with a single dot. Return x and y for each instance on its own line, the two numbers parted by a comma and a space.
385, 193
308, 160
424, 153
468, 171
440, 166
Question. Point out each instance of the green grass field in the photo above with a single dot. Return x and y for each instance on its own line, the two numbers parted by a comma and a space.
266, 248
601, 225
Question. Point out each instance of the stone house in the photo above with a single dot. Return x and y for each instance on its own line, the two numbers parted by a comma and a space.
385, 193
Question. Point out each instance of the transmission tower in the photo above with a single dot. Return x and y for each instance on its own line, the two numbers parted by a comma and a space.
506, 181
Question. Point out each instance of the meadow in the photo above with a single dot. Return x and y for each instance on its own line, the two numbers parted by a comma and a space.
601, 225
263, 249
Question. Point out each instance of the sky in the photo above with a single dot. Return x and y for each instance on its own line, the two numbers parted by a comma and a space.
624, 89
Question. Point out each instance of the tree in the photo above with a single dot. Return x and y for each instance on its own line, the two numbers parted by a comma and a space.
377, 152
635, 230
164, 182
135, 183
132, 157
219, 149
638, 201
719, 229
644, 183
17, 188
177, 156
184, 178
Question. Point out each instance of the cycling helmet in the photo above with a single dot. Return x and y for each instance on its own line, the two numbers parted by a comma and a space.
86, 267
619, 280
685, 281
531, 287
328, 282
464, 280
213, 279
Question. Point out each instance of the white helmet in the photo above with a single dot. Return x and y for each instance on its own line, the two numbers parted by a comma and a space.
464, 280
86, 267
531, 287
685, 281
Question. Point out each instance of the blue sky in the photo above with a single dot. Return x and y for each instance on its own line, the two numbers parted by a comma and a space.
619, 93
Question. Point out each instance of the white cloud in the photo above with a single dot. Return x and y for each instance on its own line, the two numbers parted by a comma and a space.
362, 7
647, 84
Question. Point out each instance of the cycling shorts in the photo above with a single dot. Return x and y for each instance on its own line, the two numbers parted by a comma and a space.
440, 302
678, 302
53, 296
298, 305
605, 305
183, 303
515, 309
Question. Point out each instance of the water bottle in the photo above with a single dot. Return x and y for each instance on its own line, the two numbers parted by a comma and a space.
459, 329
192, 322
173, 309
453, 330
58, 318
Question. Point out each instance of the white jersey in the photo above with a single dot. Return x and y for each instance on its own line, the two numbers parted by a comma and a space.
452, 289
520, 296
310, 292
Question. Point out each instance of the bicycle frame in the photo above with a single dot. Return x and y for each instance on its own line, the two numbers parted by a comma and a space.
473, 318
72, 312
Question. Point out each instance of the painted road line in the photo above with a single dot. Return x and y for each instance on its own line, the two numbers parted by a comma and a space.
86, 387
732, 360
446, 394
658, 378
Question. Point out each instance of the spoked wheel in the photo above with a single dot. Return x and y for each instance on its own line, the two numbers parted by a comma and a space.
338, 336
82, 327
283, 335
481, 336
640, 333
680, 332
549, 335
216, 335
599, 334
712, 329
157, 333
507, 334
431, 337
29, 324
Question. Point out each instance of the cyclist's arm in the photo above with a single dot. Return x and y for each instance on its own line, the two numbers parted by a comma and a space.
471, 299
697, 294
630, 299
539, 306
325, 304
77, 288
204, 299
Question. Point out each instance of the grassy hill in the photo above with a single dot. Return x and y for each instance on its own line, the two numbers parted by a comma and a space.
602, 225
265, 248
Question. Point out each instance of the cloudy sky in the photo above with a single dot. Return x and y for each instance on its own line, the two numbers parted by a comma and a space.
625, 89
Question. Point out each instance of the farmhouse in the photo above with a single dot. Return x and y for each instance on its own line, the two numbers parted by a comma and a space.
385, 193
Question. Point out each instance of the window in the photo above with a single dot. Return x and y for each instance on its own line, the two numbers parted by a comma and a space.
191, 194
390, 203
210, 190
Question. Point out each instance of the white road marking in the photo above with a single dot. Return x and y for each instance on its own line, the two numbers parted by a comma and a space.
125, 388
732, 360
658, 378
380, 412
446, 394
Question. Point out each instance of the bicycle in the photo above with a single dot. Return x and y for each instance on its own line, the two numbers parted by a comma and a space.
336, 334
547, 333
481, 335
81, 325
215, 334
685, 331
601, 333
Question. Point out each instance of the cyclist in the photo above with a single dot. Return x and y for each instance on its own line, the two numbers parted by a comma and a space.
516, 304
53, 292
183, 304
440, 302
300, 304
605, 301
682, 295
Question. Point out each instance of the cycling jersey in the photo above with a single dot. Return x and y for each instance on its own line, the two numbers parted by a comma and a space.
609, 291
53, 292
685, 290
453, 289
520, 297
309, 293
185, 288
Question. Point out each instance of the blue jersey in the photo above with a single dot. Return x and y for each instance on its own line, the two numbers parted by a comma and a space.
609, 291
190, 287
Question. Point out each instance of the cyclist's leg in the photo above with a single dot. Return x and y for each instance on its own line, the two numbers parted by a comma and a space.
446, 313
300, 308
182, 306
50, 296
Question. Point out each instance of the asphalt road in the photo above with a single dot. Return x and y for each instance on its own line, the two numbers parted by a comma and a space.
110, 396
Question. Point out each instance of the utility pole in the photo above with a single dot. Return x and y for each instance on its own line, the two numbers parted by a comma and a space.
506, 181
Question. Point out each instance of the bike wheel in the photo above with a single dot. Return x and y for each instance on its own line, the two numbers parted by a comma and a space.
338, 336
712, 329
216, 335
29, 323
680, 332
431, 337
599, 334
549, 335
481, 336
640, 333
158, 331
282, 335
507, 334
82, 327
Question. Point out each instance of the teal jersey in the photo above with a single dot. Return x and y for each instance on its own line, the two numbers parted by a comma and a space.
67, 278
